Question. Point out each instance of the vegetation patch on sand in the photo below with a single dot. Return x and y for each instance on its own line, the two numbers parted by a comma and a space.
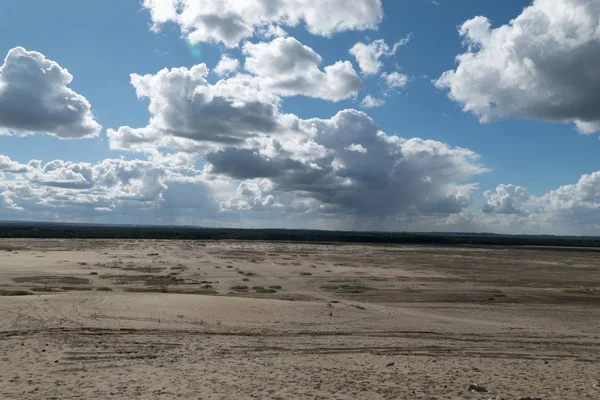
263, 290
147, 270
5, 292
144, 279
52, 280
346, 288
168, 290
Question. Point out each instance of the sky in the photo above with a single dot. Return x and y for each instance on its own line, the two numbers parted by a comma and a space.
412, 115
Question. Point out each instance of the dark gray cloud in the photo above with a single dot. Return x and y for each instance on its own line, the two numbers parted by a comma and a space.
184, 104
388, 176
34, 97
248, 164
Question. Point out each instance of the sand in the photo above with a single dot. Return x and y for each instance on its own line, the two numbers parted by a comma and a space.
98, 319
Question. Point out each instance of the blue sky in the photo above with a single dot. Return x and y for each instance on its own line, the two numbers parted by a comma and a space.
102, 43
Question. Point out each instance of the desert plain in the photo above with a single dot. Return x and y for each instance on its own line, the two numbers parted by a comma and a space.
149, 319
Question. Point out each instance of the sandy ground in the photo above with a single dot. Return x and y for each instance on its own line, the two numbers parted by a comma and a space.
173, 320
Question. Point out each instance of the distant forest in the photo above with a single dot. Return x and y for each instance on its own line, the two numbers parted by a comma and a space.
87, 231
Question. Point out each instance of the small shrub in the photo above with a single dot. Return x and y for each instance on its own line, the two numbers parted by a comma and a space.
104, 289
239, 288
305, 274
276, 287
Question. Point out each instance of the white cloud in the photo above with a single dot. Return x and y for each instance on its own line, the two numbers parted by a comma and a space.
227, 65
359, 148
250, 195
370, 102
35, 97
542, 65
137, 188
570, 209
8, 165
271, 31
369, 55
287, 67
231, 21
394, 80
506, 199
580, 198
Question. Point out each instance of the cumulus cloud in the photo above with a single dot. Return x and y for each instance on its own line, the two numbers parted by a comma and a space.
572, 209
184, 105
581, 198
252, 195
35, 97
287, 67
542, 65
337, 166
371, 102
369, 55
8, 165
227, 65
345, 165
506, 199
58, 189
190, 114
231, 21
394, 80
